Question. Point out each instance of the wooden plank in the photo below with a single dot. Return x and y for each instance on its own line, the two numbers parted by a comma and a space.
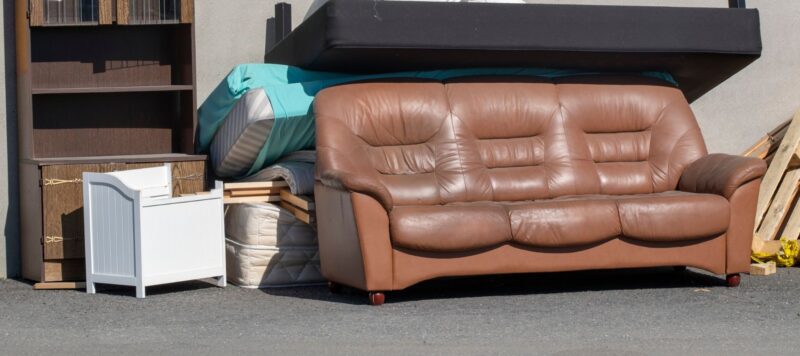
301, 215
791, 230
760, 149
771, 247
776, 137
253, 192
187, 11
769, 143
302, 202
255, 185
37, 12
777, 167
258, 199
780, 206
59, 285
105, 12
123, 12
763, 269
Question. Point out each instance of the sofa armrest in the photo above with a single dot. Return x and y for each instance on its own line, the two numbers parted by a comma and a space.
336, 170
721, 174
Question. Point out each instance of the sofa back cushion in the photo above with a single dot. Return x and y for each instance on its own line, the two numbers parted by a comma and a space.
510, 139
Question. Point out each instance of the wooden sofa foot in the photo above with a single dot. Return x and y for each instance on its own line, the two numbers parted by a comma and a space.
376, 298
334, 287
733, 280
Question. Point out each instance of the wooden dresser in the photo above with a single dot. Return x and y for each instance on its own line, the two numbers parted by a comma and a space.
103, 85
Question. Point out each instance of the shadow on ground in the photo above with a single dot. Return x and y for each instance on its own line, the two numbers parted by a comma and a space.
470, 287
519, 284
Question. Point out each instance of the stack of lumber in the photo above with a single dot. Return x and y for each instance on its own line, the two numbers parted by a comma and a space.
776, 216
302, 207
253, 192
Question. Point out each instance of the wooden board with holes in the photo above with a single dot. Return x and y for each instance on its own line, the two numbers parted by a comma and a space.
779, 164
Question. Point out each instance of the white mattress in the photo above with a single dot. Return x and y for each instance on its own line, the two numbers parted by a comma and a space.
242, 135
269, 247
264, 224
263, 267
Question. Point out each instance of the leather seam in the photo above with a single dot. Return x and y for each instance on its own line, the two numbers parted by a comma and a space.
671, 154
570, 156
457, 142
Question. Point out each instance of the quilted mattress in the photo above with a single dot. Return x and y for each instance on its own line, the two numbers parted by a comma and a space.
268, 247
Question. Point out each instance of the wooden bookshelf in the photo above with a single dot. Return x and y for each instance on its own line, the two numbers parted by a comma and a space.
103, 85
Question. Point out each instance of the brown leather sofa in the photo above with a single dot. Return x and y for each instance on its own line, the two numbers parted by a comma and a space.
419, 180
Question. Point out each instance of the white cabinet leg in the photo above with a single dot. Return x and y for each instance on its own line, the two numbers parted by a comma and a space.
90, 289
222, 281
139, 292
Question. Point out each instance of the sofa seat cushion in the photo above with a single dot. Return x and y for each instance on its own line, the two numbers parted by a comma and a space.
449, 228
673, 216
564, 222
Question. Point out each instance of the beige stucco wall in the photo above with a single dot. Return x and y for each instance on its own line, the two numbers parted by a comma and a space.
233, 32
230, 32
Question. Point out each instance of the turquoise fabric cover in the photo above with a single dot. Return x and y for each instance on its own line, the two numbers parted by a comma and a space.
291, 91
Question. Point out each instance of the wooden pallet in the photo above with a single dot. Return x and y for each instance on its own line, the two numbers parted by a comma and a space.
776, 216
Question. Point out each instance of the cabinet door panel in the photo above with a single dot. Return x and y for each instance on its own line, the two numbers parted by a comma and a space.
64, 270
62, 198
188, 177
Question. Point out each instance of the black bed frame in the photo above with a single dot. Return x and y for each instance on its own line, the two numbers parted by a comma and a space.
283, 17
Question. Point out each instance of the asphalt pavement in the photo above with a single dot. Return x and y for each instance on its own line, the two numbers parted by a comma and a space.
630, 312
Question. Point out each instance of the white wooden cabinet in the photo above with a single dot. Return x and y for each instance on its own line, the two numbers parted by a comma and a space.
137, 234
